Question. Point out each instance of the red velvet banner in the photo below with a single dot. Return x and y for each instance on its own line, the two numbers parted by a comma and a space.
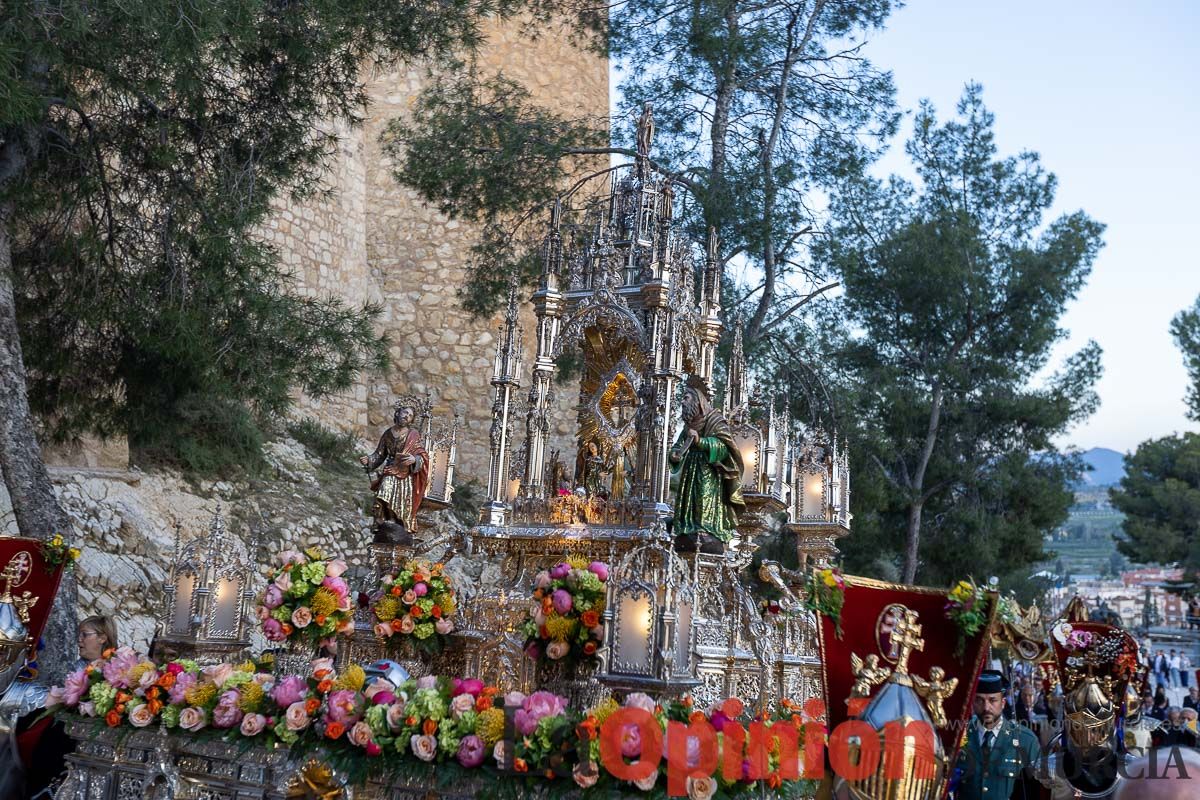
33, 575
865, 622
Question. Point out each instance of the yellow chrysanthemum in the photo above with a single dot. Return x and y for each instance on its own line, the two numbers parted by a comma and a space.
324, 602
201, 694
352, 678
604, 709
828, 579
489, 726
449, 605
387, 609
578, 562
559, 627
76, 553
252, 697
247, 666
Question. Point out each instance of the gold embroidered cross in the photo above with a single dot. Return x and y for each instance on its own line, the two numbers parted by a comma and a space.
906, 635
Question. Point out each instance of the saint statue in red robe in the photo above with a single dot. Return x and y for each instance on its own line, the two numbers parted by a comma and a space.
403, 478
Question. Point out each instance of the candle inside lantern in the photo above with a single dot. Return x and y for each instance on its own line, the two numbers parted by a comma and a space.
813, 498
224, 619
632, 648
185, 587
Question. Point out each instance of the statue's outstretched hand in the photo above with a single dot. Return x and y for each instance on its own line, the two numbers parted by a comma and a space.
365, 460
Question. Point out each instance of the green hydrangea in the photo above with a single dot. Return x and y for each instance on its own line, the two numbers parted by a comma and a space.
313, 572
424, 630
237, 679
376, 717
188, 664
448, 740
170, 716
103, 695
427, 703
282, 614
284, 735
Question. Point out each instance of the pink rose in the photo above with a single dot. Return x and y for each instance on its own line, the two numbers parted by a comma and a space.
599, 569
296, 717
379, 685
395, 716
87, 709
116, 669
502, 752
218, 673
420, 590
423, 747
701, 788
542, 581
383, 698
283, 581
514, 699
461, 705
302, 617
443, 626
639, 700
427, 682
536, 707
335, 568
318, 664
383, 630
409, 597
557, 649
192, 718
273, 597
406, 624
148, 679
373, 749
631, 741
585, 778
289, 690
273, 630
175, 668
253, 724
141, 716
360, 734
262, 613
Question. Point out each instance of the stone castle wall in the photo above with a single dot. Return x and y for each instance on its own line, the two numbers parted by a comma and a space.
375, 241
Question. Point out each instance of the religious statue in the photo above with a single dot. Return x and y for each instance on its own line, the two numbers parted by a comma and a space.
867, 674
401, 484
709, 494
934, 692
590, 468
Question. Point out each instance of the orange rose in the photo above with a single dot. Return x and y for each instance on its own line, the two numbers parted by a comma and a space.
773, 780
395, 625
322, 673
491, 691
324, 686
287, 629
550, 774
410, 721
123, 697
589, 647
155, 706
590, 619
519, 765
152, 692
396, 591
418, 577
311, 705
108, 652
436, 612
697, 716
119, 708
547, 606
320, 619
416, 612
483, 703
537, 594
112, 718
429, 727
334, 729
167, 680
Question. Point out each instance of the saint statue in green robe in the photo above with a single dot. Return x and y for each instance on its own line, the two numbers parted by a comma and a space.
708, 474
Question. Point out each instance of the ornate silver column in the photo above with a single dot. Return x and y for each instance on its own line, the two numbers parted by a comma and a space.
506, 377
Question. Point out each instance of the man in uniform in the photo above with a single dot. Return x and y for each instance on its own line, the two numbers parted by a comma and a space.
998, 759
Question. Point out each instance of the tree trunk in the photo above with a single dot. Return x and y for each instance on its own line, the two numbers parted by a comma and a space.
916, 488
36, 509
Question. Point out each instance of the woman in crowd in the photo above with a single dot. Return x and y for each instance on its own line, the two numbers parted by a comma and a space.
1159, 710
96, 634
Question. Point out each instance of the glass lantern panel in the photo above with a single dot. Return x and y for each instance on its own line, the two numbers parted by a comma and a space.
181, 614
813, 499
439, 466
747, 440
225, 609
683, 637
631, 651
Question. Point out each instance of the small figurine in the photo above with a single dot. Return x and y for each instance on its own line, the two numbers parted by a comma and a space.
402, 482
589, 468
709, 496
934, 692
866, 674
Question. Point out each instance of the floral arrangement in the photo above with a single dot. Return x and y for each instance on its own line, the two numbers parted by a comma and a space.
564, 623
967, 607
454, 726
825, 594
57, 552
306, 599
415, 605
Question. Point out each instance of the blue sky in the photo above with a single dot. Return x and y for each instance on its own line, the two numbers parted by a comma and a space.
1109, 94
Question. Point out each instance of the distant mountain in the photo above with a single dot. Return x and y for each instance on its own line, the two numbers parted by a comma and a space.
1107, 467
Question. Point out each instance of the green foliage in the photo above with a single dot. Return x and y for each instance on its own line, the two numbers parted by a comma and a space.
1185, 327
336, 450
953, 294
205, 435
1160, 497
142, 148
